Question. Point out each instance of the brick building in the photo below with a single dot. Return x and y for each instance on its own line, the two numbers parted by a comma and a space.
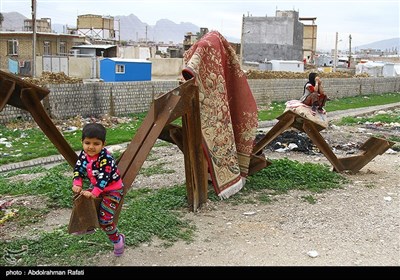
16, 48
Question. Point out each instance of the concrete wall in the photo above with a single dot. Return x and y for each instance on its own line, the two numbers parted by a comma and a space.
166, 66
86, 68
78, 67
119, 99
267, 38
137, 52
94, 99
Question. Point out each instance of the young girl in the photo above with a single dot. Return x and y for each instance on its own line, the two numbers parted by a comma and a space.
314, 94
96, 163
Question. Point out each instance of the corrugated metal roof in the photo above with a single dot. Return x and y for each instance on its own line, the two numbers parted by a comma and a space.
128, 59
93, 46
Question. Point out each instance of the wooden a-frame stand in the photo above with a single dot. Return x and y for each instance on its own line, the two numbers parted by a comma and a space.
369, 150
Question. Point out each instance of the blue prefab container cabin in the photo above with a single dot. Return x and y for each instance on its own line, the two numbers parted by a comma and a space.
125, 70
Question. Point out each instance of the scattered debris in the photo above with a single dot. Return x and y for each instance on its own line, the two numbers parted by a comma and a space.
291, 140
71, 124
8, 214
312, 254
391, 151
250, 213
6, 203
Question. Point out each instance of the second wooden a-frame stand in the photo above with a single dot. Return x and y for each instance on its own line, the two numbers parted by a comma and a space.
370, 149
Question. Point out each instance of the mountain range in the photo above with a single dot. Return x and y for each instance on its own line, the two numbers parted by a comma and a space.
165, 30
388, 44
131, 28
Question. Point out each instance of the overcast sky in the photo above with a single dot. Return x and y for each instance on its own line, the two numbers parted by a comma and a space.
366, 21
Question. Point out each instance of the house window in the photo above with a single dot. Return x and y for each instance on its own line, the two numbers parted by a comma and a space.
63, 48
119, 68
12, 47
46, 48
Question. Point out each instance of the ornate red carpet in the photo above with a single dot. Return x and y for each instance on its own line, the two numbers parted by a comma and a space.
228, 111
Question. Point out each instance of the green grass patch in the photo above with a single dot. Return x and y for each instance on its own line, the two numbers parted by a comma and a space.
26, 144
54, 183
282, 176
344, 103
361, 101
155, 169
276, 109
21, 145
146, 214
378, 118
156, 213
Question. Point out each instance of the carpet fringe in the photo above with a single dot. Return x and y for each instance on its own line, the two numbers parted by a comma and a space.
232, 189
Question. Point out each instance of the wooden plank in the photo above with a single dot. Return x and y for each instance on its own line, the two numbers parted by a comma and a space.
142, 143
20, 84
195, 162
370, 149
319, 141
6, 90
257, 162
285, 121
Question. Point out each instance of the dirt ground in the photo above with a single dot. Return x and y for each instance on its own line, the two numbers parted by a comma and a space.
358, 225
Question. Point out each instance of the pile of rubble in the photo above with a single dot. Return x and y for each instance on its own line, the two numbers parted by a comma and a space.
61, 78
258, 74
53, 78
78, 122
74, 123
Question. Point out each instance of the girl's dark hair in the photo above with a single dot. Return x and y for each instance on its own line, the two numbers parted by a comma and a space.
94, 130
311, 80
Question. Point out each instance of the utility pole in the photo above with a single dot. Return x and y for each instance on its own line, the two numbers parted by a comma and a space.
335, 59
349, 50
119, 31
33, 65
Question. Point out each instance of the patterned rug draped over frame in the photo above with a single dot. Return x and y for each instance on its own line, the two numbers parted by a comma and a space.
228, 111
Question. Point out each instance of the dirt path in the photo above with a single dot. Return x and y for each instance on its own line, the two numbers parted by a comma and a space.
355, 226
